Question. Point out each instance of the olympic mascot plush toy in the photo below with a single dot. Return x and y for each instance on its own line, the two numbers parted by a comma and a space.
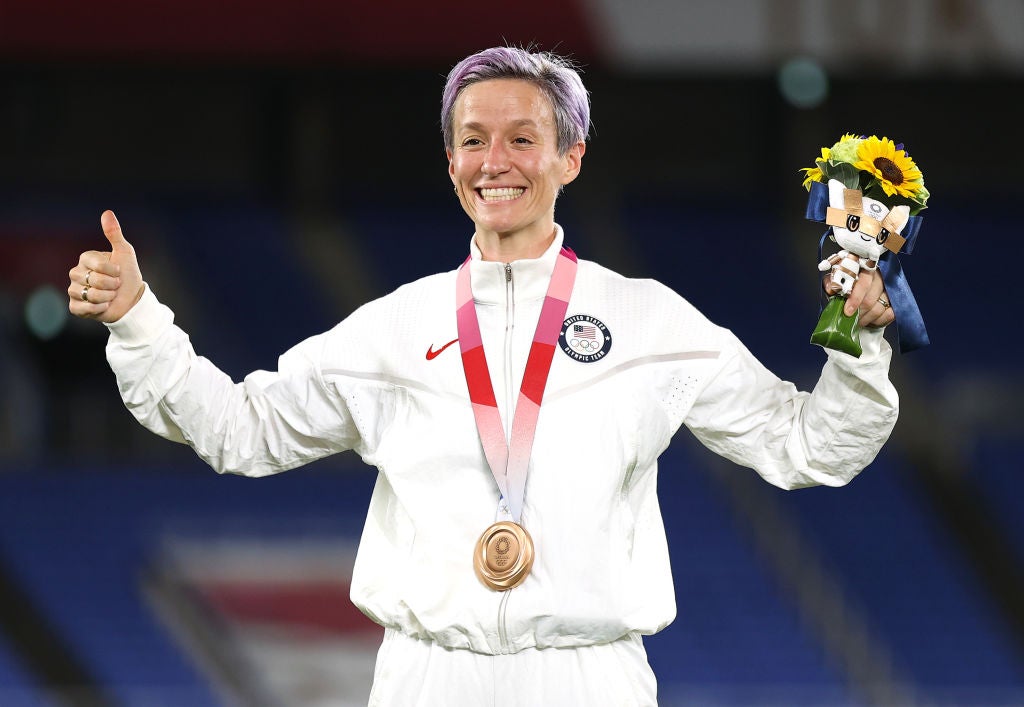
868, 191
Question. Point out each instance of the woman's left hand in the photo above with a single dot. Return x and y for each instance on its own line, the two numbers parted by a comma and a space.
869, 297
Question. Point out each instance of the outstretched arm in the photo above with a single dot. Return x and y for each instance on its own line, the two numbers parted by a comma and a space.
270, 422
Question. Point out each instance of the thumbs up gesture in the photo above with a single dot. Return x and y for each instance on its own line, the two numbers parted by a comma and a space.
106, 284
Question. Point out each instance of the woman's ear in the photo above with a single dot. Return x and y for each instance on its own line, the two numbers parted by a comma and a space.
451, 167
574, 161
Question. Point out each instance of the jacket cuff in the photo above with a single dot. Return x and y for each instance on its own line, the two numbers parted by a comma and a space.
142, 323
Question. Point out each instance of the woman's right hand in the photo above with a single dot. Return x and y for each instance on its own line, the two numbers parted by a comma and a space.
110, 280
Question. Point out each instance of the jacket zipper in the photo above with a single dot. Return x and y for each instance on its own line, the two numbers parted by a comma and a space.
509, 318
502, 628
509, 412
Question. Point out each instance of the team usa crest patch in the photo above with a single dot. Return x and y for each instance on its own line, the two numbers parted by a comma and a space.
584, 338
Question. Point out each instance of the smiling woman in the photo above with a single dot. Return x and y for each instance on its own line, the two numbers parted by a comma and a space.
514, 557
507, 167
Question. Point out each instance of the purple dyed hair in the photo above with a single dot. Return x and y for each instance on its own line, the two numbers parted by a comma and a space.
555, 75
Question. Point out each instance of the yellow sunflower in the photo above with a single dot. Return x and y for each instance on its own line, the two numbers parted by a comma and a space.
814, 174
894, 169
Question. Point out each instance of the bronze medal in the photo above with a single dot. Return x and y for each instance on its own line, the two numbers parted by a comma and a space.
504, 556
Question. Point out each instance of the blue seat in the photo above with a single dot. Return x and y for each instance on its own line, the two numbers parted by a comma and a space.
904, 570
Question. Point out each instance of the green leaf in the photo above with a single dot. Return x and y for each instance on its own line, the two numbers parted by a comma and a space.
845, 173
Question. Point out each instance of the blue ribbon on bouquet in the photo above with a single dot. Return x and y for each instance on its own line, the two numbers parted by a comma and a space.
910, 329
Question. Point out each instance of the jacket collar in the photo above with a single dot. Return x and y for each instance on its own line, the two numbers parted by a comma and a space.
530, 278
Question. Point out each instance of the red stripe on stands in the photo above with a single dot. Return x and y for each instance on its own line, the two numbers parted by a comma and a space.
244, 31
323, 607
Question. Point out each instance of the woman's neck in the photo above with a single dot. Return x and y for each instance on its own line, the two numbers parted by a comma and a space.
506, 248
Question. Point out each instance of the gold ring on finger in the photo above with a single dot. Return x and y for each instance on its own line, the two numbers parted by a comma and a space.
884, 302
87, 276
85, 294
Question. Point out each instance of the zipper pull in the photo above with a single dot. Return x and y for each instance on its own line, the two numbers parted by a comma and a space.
508, 272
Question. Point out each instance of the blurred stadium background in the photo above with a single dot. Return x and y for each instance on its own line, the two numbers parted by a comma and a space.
277, 164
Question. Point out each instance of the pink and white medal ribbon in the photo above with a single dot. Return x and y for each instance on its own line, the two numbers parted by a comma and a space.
504, 553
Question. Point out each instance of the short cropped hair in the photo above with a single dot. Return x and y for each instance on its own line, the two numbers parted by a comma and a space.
556, 76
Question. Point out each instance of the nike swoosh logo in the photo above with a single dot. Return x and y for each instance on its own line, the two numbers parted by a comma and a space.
431, 354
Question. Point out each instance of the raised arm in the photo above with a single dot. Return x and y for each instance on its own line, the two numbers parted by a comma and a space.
271, 421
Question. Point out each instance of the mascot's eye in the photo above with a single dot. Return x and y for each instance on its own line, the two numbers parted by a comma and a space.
852, 223
882, 236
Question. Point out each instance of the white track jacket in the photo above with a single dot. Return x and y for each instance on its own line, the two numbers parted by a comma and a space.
383, 384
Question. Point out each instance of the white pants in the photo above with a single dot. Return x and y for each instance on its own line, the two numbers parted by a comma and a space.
417, 673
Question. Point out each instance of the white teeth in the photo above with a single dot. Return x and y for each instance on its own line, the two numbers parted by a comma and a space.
502, 194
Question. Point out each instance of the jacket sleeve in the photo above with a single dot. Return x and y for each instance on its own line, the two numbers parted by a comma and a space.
791, 438
270, 422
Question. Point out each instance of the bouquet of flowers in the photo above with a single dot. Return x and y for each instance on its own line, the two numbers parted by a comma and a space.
870, 192
880, 168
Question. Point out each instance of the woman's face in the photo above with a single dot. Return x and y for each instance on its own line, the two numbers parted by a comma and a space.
504, 161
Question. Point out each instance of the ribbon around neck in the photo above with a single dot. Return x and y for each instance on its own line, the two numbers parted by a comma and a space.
910, 329
509, 463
